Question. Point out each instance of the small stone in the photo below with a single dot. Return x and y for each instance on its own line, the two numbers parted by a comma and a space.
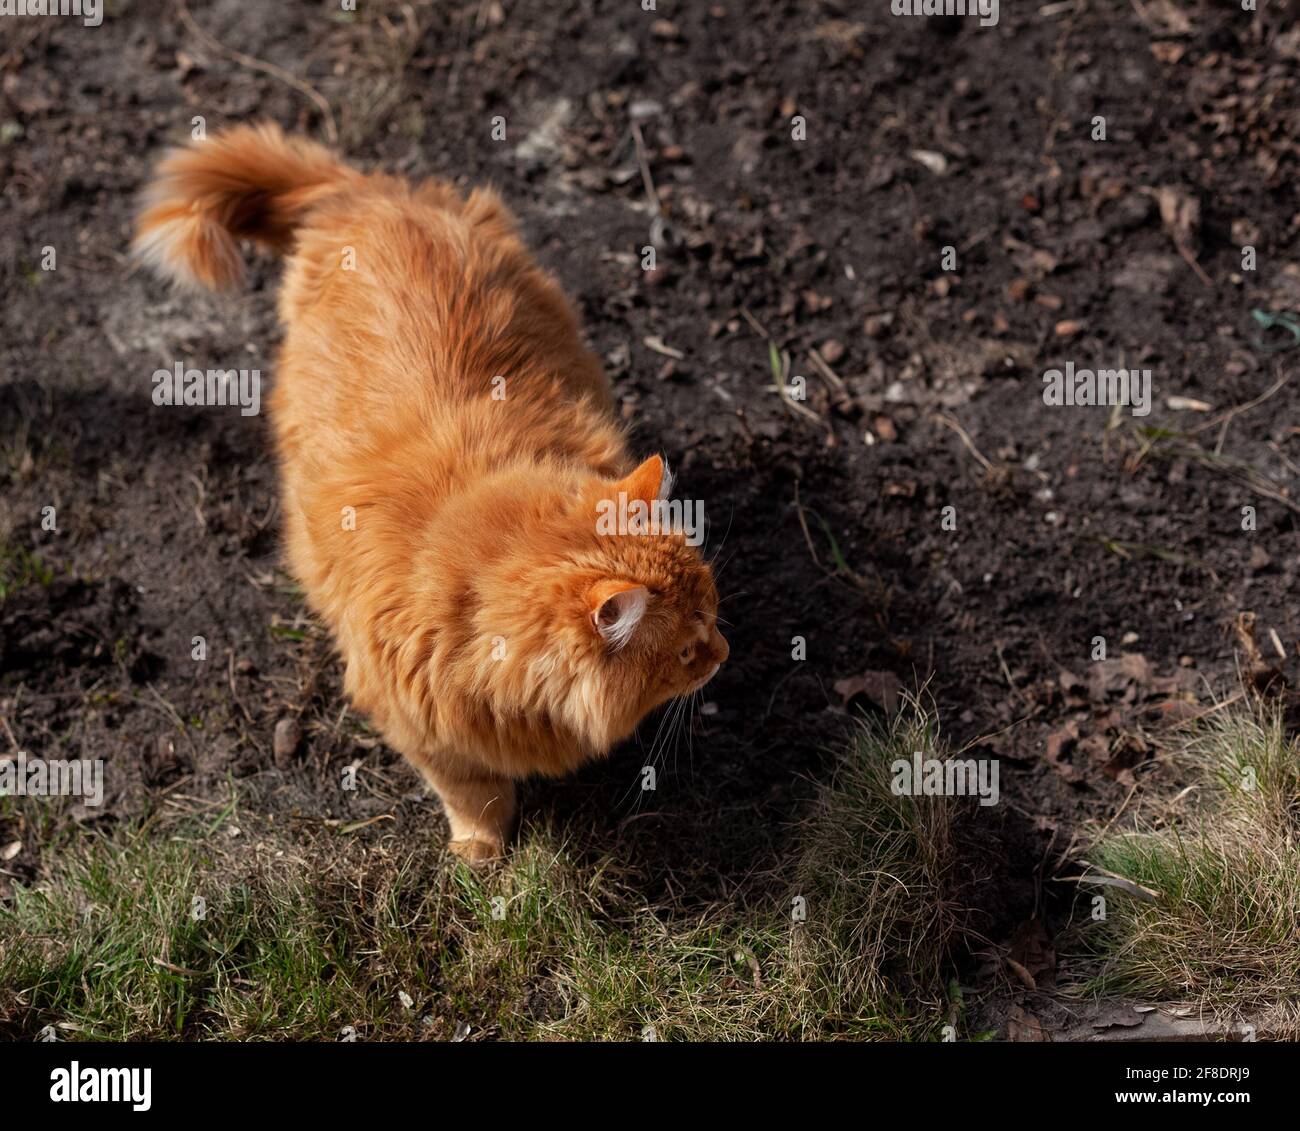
1070, 328
1147, 274
832, 351
643, 109
877, 325
287, 736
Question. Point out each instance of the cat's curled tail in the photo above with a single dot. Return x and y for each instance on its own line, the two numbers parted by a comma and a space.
249, 182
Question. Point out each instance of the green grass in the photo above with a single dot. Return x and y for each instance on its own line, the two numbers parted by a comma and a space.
1223, 931
300, 940
19, 567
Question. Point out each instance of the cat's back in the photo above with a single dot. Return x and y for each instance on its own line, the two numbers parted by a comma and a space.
418, 300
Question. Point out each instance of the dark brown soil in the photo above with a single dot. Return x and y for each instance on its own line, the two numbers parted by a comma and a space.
1070, 523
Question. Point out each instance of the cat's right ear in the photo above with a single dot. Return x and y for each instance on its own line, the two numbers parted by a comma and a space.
616, 609
650, 481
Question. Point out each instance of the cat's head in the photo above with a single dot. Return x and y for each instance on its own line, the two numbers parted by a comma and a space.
624, 606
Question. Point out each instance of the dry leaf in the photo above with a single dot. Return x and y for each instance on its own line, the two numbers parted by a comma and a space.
881, 688
1180, 213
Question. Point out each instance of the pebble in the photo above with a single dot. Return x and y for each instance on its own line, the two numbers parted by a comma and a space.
287, 736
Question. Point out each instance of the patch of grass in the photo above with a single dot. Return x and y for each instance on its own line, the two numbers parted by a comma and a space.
881, 915
1224, 863
300, 940
18, 568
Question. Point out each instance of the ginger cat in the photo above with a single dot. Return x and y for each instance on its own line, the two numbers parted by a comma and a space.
444, 441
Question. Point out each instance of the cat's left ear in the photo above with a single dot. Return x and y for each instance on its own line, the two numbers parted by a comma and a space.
651, 481
616, 609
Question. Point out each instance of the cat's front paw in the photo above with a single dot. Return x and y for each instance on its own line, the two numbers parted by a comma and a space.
478, 850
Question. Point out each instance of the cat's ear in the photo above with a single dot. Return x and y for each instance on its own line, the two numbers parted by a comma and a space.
651, 481
616, 609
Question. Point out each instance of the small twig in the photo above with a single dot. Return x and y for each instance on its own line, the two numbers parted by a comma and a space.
782, 357
179, 969
1118, 811
1104, 878
832, 378
951, 422
803, 522
755, 324
1236, 469
305, 88
1126, 550
783, 390
1292, 467
1235, 697
644, 162
1006, 671
354, 826
1238, 409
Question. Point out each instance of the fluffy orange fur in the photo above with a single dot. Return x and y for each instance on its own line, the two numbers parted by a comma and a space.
445, 440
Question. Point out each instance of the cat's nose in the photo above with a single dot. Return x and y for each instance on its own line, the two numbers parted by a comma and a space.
719, 648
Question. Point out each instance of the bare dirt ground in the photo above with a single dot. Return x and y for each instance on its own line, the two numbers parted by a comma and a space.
626, 128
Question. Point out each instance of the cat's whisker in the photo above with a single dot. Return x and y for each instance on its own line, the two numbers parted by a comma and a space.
665, 718
684, 719
718, 570
717, 618
725, 535
697, 697
662, 732
648, 759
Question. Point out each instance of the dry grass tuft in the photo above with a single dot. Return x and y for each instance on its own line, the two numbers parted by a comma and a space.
1223, 932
